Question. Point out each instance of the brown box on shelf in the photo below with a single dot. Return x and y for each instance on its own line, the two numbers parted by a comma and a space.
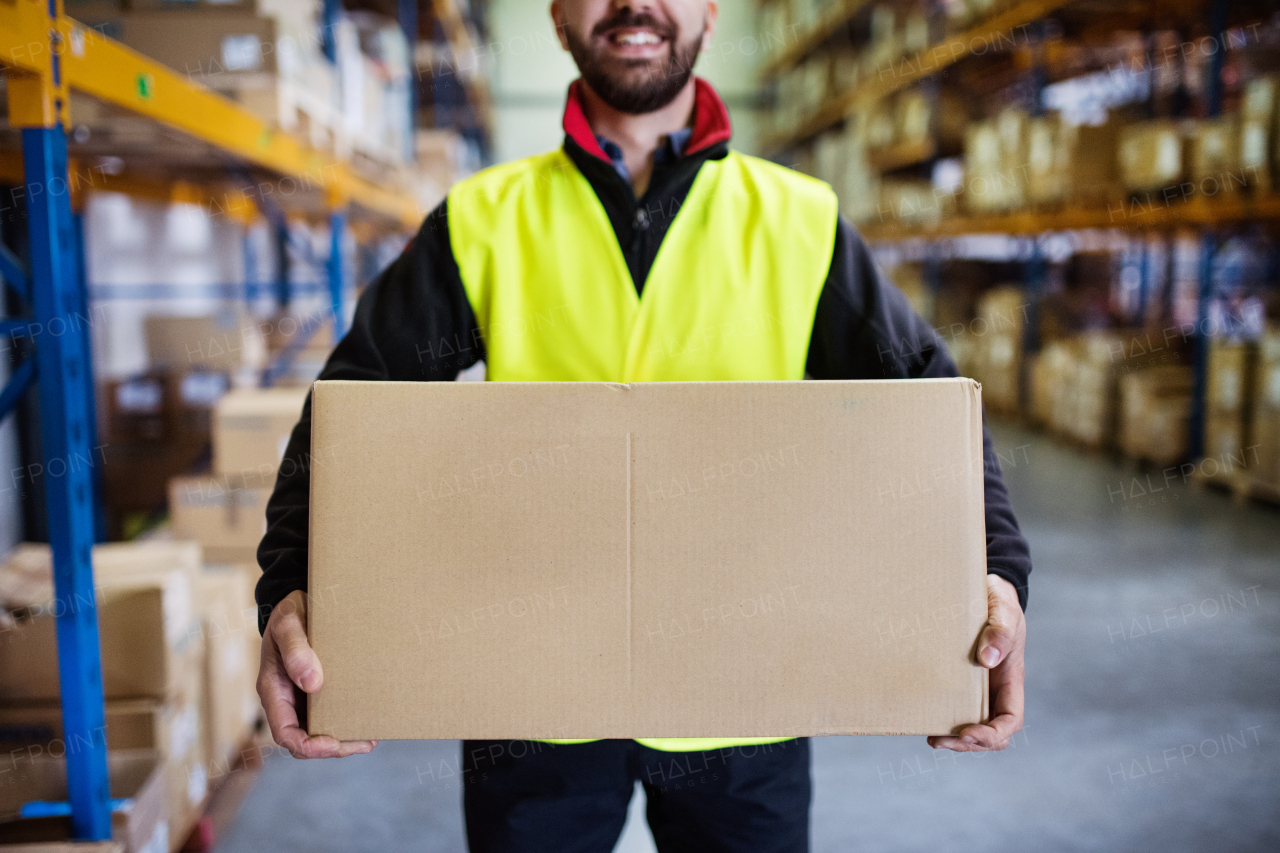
1091, 155
137, 775
1155, 412
1152, 155
630, 510
150, 637
211, 46
227, 519
161, 406
1216, 155
251, 430
230, 620
226, 341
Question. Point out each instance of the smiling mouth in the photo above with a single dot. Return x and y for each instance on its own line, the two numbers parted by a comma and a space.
634, 38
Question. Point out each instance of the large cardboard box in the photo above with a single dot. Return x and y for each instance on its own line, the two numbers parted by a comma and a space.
226, 519
230, 620
149, 632
134, 774
251, 429
580, 560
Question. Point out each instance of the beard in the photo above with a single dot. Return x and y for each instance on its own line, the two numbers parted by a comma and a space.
636, 86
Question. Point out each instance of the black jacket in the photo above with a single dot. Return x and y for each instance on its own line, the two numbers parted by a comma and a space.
414, 323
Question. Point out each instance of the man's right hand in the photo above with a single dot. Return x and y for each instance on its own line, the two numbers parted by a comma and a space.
288, 660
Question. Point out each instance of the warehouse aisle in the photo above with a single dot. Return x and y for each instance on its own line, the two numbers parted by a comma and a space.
1153, 708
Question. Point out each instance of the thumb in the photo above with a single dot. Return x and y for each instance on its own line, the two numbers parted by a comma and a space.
1000, 633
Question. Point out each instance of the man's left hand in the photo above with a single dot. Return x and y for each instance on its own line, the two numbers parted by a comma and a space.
1000, 650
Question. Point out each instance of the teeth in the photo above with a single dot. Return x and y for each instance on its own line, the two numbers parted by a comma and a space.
638, 38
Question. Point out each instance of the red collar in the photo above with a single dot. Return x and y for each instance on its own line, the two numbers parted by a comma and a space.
710, 120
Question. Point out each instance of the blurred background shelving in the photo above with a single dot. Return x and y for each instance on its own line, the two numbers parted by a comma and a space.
1080, 196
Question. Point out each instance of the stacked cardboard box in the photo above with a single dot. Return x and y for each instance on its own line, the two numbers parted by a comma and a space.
998, 331
1152, 155
1077, 386
1259, 138
1228, 403
226, 511
153, 661
251, 430
1264, 454
1155, 412
1070, 162
228, 614
1047, 370
135, 775
995, 154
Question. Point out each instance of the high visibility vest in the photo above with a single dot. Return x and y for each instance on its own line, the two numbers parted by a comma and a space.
731, 295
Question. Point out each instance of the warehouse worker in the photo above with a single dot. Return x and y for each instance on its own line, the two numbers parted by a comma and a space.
645, 249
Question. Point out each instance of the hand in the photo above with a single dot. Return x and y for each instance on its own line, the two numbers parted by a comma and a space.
1000, 650
287, 659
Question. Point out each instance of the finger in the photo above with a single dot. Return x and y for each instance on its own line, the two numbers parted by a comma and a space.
278, 699
300, 661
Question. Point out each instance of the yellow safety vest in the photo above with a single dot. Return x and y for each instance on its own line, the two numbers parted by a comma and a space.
731, 295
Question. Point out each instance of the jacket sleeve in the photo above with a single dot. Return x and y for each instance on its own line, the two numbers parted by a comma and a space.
864, 328
412, 323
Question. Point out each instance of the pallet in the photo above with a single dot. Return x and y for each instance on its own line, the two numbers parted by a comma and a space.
228, 792
1242, 487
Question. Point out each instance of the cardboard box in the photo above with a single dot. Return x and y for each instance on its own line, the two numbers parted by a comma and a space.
230, 618
1155, 412
135, 774
1216, 155
228, 521
1152, 155
251, 431
582, 560
174, 729
149, 633
163, 406
1230, 377
1265, 433
226, 341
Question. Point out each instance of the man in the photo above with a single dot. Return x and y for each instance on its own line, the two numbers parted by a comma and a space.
608, 260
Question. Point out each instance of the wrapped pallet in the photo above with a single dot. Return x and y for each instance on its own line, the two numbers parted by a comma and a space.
1155, 412
1264, 456
1228, 401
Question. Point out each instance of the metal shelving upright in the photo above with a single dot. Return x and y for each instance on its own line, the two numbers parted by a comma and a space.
45, 55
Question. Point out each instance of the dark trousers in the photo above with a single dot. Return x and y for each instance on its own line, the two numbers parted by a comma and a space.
529, 797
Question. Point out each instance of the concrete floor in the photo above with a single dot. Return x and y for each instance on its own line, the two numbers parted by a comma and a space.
1153, 707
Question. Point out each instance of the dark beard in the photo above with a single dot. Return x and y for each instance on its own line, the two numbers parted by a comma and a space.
653, 90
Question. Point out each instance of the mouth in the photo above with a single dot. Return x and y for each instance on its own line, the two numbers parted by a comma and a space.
635, 42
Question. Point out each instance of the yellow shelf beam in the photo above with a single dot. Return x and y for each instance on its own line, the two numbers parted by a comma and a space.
994, 34
1138, 213
111, 72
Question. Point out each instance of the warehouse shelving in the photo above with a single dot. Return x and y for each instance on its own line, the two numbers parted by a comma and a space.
910, 69
990, 48
45, 56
